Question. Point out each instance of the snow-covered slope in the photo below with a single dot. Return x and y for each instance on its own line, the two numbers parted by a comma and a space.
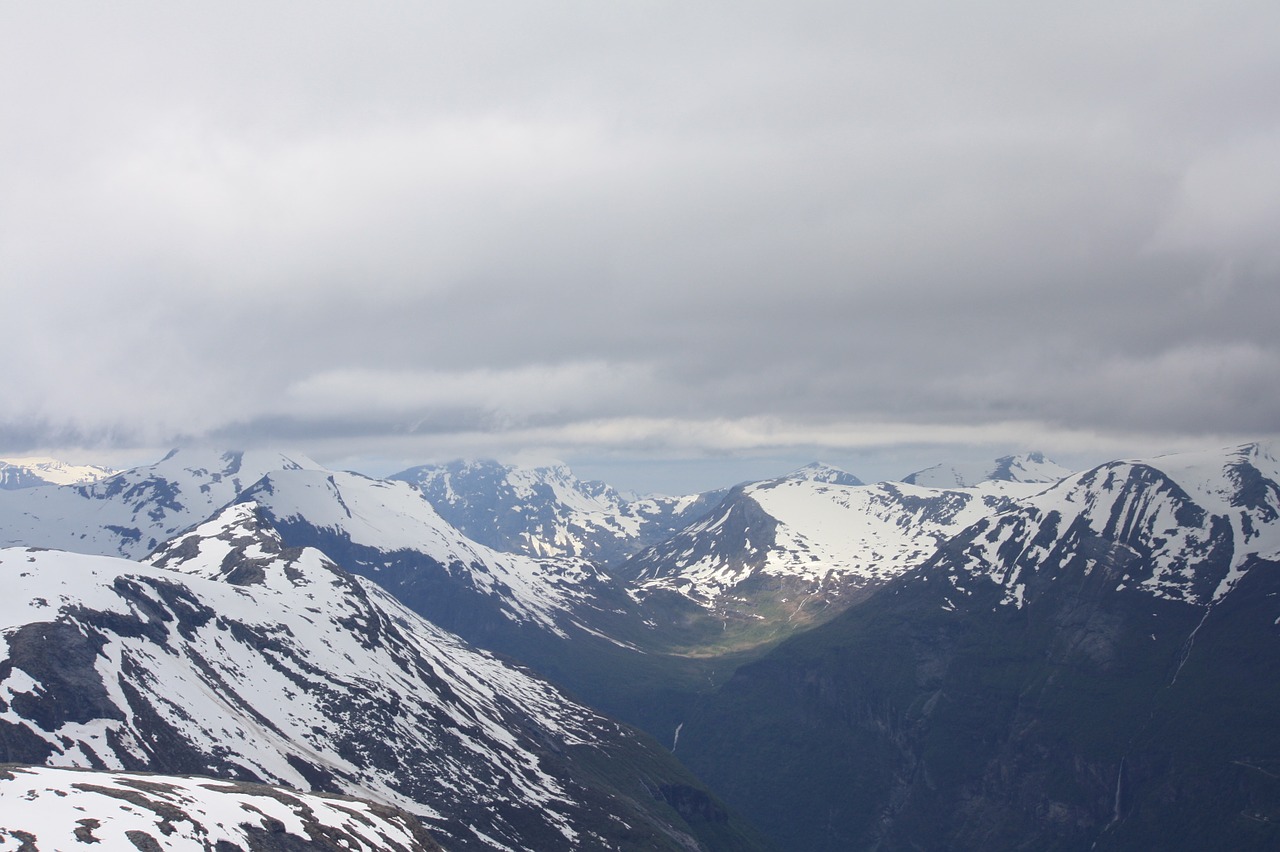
232, 655
1183, 527
46, 808
32, 471
131, 512
547, 511
1024, 468
387, 531
809, 533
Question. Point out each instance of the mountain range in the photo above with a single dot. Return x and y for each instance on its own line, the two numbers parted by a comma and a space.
1002, 655
1095, 667
228, 654
32, 471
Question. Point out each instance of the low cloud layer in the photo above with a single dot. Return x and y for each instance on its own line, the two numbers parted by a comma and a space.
650, 231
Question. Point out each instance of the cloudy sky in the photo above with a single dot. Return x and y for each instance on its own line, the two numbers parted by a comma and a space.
675, 244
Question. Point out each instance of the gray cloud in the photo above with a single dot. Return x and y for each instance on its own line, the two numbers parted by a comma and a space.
639, 230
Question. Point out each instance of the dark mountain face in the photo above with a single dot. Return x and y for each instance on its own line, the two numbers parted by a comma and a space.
13, 478
1096, 670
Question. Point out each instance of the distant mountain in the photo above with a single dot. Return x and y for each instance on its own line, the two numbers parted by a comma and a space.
547, 511
1095, 668
234, 655
46, 808
129, 513
30, 472
822, 472
778, 554
1025, 468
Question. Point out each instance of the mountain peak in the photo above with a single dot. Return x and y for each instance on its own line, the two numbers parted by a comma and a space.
250, 464
823, 472
1032, 467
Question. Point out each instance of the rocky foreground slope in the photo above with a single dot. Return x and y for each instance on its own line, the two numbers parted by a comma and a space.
46, 808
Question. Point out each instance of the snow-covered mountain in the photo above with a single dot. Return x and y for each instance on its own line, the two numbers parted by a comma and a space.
129, 513
805, 540
55, 808
31, 471
386, 530
1024, 468
1184, 527
1096, 667
233, 655
547, 511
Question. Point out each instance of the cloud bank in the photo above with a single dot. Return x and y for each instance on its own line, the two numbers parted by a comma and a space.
643, 231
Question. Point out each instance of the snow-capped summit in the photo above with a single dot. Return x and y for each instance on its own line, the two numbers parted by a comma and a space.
32, 471
386, 530
1021, 468
821, 472
1184, 527
129, 513
547, 511
809, 541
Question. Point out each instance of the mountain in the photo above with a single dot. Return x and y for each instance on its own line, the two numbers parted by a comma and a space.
777, 555
1024, 468
1095, 668
563, 615
30, 472
234, 655
568, 619
46, 808
547, 511
130, 513
387, 531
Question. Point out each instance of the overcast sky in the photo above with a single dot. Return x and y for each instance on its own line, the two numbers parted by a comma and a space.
675, 244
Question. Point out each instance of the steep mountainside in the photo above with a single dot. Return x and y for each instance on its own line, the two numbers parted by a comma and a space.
1096, 669
30, 472
563, 616
547, 511
46, 808
131, 512
386, 531
235, 656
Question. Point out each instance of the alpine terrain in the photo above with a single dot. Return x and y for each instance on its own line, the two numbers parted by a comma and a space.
1003, 655
228, 654
1096, 667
